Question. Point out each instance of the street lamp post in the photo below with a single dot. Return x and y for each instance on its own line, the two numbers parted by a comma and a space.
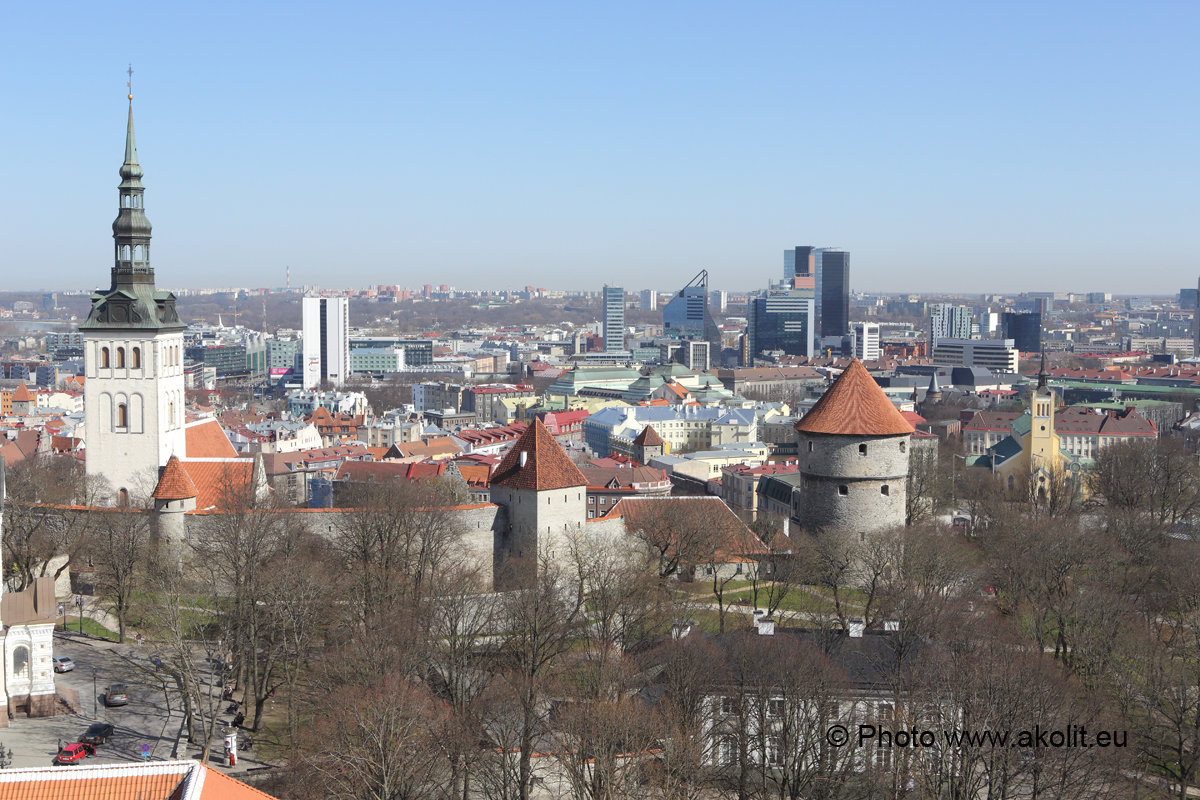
95, 707
79, 602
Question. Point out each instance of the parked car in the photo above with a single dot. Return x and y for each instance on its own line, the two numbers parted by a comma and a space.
116, 695
97, 733
62, 664
74, 752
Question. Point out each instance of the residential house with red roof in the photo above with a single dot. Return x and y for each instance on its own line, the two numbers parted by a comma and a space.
607, 486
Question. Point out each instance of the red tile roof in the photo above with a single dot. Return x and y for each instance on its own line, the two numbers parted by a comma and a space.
547, 465
205, 439
474, 474
174, 483
154, 780
220, 483
389, 470
22, 395
855, 406
648, 438
732, 538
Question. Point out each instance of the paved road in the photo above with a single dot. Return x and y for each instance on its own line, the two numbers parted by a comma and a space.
144, 723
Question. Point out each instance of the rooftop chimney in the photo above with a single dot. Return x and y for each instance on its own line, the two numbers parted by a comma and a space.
891, 626
766, 626
855, 627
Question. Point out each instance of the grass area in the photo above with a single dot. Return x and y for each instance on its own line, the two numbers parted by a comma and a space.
739, 595
90, 626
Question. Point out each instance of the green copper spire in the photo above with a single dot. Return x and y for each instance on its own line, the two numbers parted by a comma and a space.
132, 301
131, 171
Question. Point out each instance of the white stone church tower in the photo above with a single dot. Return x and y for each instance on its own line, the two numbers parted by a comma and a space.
133, 355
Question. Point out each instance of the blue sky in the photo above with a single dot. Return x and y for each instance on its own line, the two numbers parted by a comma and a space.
949, 146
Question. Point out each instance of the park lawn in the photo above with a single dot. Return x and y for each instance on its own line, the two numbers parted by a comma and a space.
90, 626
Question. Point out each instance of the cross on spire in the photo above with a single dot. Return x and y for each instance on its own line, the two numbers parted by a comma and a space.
129, 83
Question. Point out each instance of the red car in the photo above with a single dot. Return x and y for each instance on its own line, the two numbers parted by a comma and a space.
74, 752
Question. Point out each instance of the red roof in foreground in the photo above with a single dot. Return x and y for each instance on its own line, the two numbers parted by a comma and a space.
174, 484
152, 780
547, 465
854, 406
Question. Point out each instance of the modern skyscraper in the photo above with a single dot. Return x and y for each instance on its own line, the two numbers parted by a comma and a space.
829, 268
947, 321
614, 319
1025, 329
133, 354
326, 347
831, 271
780, 319
796, 262
687, 315
866, 341
649, 299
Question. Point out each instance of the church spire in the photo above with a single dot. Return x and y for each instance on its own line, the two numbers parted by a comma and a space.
132, 301
131, 228
1042, 372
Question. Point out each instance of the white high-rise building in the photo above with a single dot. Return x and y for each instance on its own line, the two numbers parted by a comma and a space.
866, 341
649, 298
133, 356
947, 321
326, 349
613, 324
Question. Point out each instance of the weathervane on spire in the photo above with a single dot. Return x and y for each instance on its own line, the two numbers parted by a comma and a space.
129, 83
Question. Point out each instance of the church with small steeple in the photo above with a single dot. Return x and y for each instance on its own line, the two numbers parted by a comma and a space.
133, 355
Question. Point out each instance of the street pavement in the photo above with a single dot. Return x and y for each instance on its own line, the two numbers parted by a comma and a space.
144, 729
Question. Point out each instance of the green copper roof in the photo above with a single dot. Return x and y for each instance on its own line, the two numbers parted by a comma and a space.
132, 302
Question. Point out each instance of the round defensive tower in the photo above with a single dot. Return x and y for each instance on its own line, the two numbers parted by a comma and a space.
853, 458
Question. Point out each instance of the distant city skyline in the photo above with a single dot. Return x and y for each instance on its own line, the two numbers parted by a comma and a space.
949, 148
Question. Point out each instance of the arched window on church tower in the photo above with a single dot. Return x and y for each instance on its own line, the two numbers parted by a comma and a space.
120, 357
21, 662
122, 416
136, 355
104, 357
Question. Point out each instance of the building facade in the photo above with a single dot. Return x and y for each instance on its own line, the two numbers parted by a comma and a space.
866, 341
614, 319
995, 355
1025, 330
780, 319
326, 331
948, 321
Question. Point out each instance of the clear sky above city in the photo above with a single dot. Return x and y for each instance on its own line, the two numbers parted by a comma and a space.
949, 146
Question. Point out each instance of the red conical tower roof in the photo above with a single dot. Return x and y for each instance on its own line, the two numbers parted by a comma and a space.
854, 406
547, 465
175, 483
648, 438
22, 395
